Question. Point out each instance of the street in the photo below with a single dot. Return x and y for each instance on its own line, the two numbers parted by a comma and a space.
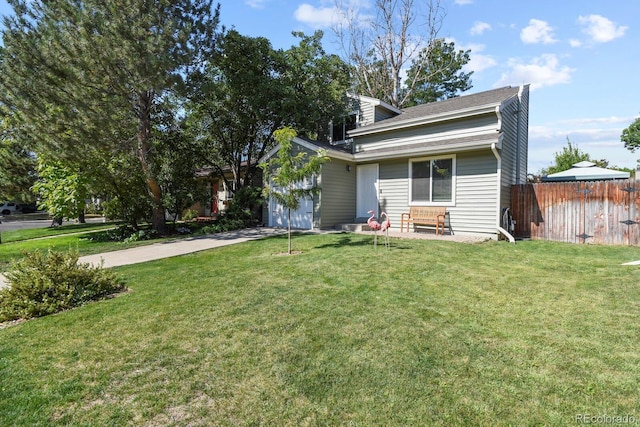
33, 220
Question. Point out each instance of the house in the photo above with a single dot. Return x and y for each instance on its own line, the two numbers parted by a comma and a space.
462, 153
221, 186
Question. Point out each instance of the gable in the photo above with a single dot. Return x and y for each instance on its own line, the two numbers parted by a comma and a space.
449, 109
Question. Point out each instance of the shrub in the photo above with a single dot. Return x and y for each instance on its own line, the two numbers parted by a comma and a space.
46, 284
246, 206
190, 214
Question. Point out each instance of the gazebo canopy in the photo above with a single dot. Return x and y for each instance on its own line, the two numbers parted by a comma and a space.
585, 171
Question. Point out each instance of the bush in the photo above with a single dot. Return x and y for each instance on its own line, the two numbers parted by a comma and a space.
46, 284
190, 214
246, 206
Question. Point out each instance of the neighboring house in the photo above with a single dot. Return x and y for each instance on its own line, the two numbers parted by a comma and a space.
463, 153
220, 189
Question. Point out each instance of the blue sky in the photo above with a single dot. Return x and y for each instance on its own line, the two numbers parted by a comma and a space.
580, 57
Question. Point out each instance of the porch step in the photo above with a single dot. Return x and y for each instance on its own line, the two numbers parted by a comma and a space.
354, 228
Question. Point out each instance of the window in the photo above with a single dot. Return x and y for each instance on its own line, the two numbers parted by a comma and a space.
431, 181
339, 130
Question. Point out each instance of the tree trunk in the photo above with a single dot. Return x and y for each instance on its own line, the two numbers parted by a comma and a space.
145, 101
289, 228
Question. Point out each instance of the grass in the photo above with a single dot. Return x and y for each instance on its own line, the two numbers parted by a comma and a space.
430, 333
73, 236
39, 233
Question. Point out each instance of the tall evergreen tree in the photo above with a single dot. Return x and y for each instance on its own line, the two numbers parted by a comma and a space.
87, 76
17, 162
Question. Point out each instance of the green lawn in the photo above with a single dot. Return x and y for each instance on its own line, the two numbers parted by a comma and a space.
429, 333
45, 232
63, 238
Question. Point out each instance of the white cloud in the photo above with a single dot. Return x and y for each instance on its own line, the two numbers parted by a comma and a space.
542, 71
333, 13
601, 29
575, 43
479, 27
478, 61
537, 32
256, 4
581, 122
597, 136
316, 17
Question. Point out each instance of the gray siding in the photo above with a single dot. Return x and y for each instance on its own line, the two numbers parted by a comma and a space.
336, 200
383, 113
476, 192
514, 145
452, 129
394, 190
367, 114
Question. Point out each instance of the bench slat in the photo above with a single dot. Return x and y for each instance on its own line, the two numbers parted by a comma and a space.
424, 215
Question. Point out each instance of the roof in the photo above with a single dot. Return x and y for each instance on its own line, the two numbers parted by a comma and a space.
333, 151
431, 147
585, 171
427, 112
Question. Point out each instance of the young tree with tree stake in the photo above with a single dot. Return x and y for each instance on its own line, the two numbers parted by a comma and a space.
288, 172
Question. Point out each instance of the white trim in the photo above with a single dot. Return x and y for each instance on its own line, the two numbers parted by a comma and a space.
452, 202
334, 154
376, 102
434, 118
435, 150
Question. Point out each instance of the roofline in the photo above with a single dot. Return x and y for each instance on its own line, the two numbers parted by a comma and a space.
449, 115
335, 154
432, 150
376, 101
411, 152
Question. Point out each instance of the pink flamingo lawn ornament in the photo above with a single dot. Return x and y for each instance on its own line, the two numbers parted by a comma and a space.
384, 227
375, 226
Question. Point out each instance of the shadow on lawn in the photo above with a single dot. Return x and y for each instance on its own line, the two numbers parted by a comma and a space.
349, 240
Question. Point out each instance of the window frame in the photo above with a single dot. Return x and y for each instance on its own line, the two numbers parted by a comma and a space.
452, 202
343, 126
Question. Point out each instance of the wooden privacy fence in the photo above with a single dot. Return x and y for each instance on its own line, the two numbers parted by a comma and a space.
601, 212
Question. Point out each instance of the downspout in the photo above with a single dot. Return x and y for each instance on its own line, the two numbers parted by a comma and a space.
494, 148
518, 138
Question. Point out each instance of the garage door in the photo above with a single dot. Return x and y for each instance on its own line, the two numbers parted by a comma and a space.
302, 218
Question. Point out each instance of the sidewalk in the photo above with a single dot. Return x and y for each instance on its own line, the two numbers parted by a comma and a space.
175, 247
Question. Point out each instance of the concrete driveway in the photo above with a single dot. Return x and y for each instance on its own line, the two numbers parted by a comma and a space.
174, 248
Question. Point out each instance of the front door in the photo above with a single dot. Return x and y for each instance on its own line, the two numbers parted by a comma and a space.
367, 190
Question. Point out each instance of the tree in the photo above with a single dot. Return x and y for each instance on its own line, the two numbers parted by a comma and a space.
570, 155
177, 156
438, 76
249, 90
17, 163
288, 172
87, 76
382, 46
62, 191
631, 136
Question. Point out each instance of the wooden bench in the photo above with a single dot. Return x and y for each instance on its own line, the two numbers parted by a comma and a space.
424, 215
